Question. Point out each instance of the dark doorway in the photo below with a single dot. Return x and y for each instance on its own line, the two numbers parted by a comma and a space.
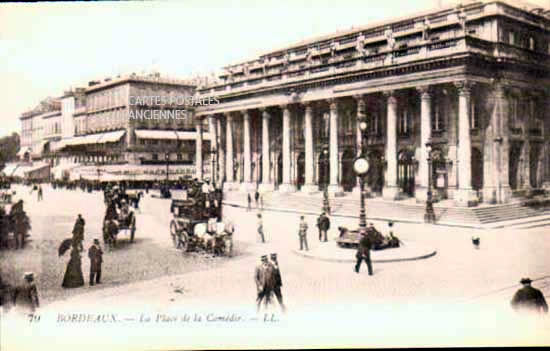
324, 170
515, 151
279, 169
405, 172
301, 169
375, 175
260, 171
349, 179
477, 169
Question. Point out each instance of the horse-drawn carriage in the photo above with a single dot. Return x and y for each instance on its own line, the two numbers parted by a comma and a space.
116, 221
196, 225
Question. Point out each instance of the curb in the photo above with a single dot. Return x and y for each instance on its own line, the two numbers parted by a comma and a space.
345, 260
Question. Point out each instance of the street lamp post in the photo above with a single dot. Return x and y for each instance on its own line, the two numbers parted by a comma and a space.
361, 167
326, 204
429, 216
167, 159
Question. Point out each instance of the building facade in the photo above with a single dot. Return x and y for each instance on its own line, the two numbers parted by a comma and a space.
121, 123
472, 82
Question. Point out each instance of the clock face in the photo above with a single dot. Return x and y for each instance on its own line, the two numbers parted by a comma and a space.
361, 166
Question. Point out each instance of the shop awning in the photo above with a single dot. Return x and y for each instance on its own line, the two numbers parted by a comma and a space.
9, 169
157, 134
169, 135
109, 137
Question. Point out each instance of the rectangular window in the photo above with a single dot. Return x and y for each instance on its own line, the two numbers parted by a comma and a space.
155, 157
404, 123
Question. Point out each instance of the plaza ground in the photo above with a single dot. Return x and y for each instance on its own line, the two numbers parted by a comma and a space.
460, 295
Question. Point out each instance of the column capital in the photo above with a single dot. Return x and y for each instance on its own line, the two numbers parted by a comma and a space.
308, 106
359, 98
425, 91
228, 115
390, 96
333, 103
245, 113
464, 87
285, 107
265, 113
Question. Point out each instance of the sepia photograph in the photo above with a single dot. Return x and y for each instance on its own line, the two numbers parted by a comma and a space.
181, 175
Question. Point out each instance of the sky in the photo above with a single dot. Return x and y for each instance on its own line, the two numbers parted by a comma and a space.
47, 48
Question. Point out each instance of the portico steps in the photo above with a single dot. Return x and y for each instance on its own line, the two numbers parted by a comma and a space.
376, 208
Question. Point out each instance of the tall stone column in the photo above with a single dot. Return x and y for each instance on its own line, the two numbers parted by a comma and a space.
464, 195
267, 182
287, 185
421, 194
247, 184
525, 172
309, 186
391, 191
198, 148
221, 153
230, 180
213, 148
334, 186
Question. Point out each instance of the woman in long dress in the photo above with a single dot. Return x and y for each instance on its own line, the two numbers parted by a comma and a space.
73, 275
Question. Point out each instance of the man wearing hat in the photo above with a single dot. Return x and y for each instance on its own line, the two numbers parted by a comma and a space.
302, 233
323, 223
278, 282
265, 282
529, 299
26, 296
78, 232
96, 259
363, 253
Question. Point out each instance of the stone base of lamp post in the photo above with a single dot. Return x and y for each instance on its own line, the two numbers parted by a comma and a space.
247, 187
266, 187
390, 193
287, 188
309, 188
465, 198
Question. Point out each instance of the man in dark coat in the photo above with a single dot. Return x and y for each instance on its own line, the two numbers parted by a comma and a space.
265, 282
363, 253
278, 281
529, 298
78, 232
323, 222
96, 259
26, 296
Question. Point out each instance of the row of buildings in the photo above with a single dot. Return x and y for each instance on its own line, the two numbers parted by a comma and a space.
456, 97
128, 127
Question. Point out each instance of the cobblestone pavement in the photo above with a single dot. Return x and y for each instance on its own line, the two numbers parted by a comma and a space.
461, 286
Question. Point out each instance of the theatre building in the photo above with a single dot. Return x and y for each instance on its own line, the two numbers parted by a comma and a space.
464, 89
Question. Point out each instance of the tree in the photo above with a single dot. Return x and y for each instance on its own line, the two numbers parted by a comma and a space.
9, 146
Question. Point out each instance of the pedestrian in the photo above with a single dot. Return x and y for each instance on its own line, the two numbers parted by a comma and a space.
529, 299
78, 232
256, 198
73, 277
363, 253
96, 259
22, 226
323, 223
264, 278
40, 195
278, 282
249, 199
261, 236
26, 296
302, 233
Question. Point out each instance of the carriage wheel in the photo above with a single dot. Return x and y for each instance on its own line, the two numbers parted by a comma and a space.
228, 249
174, 233
183, 241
